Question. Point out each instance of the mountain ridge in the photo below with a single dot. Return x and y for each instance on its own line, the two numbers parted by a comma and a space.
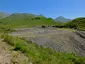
62, 19
3, 15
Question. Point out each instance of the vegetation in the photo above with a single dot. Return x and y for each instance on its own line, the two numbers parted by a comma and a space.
16, 20
39, 55
78, 23
26, 20
4, 29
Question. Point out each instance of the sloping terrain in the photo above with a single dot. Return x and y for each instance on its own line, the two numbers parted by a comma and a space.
3, 15
26, 20
40, 55
62, 19
59, 40
79, 23
9, 56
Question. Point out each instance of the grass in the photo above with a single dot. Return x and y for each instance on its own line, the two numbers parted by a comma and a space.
39, 55
21, 20
24, 20
4, 29
79, 23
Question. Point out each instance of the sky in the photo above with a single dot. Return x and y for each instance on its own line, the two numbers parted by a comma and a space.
50, 8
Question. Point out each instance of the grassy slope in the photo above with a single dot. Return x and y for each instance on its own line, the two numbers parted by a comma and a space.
10, 56
39, 55
79, 23
26, 20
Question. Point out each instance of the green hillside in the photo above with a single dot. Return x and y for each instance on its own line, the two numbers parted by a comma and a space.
79, 23
17, 20
26, 20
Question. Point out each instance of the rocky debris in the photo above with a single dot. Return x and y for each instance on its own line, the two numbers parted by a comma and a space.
59, 40
30, 32
81, 34
62, 43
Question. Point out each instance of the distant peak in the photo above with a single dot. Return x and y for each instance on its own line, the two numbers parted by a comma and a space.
3, 15
62, 19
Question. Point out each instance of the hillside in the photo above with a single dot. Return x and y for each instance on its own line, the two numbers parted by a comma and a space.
62, 19
10, 56
24, 41
26, 20
3, 15
78, 23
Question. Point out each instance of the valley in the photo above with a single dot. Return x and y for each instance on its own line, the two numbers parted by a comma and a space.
42, 31
36, 39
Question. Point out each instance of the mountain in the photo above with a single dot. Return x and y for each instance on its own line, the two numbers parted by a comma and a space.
62, 19
3, 15
26, 20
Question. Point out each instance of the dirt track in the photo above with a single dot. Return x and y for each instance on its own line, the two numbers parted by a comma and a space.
60, 40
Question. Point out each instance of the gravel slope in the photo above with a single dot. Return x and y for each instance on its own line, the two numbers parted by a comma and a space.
59, 40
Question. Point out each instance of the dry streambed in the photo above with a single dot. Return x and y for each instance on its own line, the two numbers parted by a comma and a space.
59, 40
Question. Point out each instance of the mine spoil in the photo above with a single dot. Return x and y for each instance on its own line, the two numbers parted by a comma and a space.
59, 40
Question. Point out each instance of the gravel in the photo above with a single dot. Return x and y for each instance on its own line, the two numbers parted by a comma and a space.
59, 40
